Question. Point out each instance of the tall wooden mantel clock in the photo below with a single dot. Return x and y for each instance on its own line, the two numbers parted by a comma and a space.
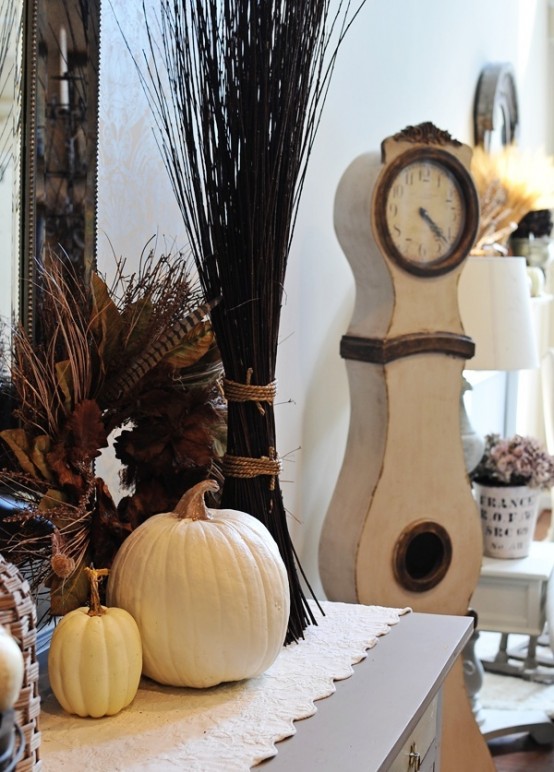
402, 528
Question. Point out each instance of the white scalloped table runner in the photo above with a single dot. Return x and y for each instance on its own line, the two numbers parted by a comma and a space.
226, 728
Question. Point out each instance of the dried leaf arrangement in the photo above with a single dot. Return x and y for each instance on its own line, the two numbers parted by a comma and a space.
139, 355
510, 184
237, 89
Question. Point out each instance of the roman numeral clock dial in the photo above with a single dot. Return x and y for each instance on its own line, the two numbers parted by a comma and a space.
425, 212
402, 528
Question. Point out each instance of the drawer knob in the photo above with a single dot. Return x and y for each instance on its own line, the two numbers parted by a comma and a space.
414, 759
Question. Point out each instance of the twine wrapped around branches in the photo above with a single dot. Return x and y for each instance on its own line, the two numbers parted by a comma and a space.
237, 88
244, 467
247, 392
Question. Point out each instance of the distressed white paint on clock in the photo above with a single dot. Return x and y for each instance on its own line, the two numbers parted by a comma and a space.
402, 527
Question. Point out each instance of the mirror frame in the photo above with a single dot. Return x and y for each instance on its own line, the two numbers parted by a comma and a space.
27, 240
35, 14
496, 106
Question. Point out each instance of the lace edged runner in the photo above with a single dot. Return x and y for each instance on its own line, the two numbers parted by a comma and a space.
225, 729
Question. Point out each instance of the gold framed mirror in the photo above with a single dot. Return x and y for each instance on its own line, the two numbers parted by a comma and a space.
62, 54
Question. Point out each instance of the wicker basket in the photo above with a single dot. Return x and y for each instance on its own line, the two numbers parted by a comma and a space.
18, 616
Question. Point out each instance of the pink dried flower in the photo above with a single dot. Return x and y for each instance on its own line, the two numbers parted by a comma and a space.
515, 461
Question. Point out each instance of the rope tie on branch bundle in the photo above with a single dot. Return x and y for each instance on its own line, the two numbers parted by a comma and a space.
246, 468
242, 466
249, 392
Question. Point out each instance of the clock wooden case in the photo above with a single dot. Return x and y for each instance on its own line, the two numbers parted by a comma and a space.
402, 528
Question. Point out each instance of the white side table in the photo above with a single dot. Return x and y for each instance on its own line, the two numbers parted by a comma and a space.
511, 594
511, 598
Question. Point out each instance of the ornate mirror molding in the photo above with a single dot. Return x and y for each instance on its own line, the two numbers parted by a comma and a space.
496, 115
11, 44
60, 141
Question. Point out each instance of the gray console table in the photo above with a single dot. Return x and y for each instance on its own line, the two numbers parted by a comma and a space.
387, 716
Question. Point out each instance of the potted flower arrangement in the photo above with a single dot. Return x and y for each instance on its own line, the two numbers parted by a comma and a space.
507, 482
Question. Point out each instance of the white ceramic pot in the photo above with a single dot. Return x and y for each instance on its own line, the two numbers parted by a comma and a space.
508, 518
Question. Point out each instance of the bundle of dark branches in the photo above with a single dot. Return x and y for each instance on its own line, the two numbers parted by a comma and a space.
237, 89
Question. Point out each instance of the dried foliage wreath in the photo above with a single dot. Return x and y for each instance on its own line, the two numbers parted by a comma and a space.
139, 355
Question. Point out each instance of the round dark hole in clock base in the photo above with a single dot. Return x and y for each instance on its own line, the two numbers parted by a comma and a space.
422, 556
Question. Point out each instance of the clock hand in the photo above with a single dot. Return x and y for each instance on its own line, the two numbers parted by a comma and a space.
424, 214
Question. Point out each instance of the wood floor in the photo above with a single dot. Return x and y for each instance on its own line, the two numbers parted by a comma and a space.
520, 753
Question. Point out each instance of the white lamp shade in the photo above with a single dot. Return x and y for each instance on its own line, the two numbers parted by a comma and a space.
495, 308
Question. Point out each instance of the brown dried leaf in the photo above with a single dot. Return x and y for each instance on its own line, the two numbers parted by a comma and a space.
88, 433
107, 532
69, 593
18, 443
106, 323
65, 382
152, 498
51, 500
194, 445
58, 461
39, 453
141, 445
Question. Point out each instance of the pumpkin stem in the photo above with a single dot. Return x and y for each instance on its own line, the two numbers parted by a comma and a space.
94, 574
192, 504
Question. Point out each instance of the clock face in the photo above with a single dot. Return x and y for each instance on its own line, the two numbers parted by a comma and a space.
426, 211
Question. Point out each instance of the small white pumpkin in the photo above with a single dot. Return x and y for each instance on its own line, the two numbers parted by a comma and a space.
95, 658
12, 668
208, 589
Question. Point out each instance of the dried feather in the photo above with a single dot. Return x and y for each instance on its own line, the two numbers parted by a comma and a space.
195, 345
154, 353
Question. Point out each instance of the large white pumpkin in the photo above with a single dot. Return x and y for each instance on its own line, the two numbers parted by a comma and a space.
208, 590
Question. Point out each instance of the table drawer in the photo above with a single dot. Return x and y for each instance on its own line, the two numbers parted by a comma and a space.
421, 744
510, 605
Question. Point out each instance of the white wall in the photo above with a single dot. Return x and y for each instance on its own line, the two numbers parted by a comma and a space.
404, 62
